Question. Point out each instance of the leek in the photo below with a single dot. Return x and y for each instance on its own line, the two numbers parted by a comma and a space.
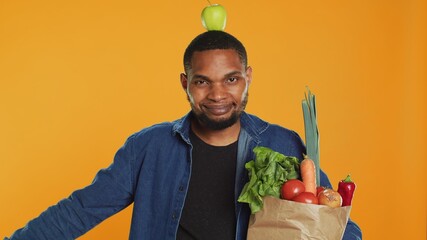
311, 130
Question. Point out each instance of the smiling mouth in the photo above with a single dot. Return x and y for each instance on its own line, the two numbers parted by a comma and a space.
218, 109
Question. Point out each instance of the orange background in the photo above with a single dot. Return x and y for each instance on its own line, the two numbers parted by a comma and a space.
78, 77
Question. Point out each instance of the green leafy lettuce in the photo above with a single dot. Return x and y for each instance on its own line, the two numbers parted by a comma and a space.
267, 173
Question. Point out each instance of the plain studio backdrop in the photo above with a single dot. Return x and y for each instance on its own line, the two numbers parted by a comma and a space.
78, 77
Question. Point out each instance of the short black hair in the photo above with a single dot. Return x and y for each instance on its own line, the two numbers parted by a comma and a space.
212, 40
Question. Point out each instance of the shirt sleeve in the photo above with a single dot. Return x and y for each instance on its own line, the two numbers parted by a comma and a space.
110, 192
352, 230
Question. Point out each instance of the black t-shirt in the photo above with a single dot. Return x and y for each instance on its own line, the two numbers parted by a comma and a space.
209, 209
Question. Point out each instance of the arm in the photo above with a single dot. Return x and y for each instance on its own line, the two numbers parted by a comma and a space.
352, 231
110, 192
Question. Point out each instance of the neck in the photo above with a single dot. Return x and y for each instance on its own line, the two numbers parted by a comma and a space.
221, 137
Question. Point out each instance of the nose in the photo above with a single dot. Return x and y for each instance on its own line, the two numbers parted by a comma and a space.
217, 92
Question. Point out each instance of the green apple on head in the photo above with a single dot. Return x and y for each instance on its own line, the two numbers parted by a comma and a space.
214, 17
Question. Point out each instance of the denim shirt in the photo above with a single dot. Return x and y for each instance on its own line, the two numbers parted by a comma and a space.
152, 170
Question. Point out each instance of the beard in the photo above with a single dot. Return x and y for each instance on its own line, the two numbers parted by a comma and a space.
216, 124
221, 124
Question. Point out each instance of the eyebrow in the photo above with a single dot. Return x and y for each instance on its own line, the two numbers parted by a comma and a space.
233, 73
199, 76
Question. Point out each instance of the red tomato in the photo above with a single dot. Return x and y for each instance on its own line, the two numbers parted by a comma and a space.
292, 188
306, 197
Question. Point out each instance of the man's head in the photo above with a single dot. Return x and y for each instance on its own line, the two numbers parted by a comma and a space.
212, 40
217, 79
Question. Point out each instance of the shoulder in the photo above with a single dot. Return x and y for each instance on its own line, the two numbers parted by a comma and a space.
281, 132
278, 138
269, 130
156, 131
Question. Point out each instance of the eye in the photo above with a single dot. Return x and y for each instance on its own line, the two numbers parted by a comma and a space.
200, 82
232, 79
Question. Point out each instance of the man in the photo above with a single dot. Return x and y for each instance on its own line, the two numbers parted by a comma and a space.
184, 177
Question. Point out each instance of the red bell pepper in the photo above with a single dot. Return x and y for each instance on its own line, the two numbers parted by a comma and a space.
346, 189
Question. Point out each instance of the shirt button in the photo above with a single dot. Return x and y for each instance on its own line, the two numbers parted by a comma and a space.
173, 216
181, 188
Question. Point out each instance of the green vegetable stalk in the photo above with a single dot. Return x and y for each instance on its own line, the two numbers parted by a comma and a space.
267, 173
311, 131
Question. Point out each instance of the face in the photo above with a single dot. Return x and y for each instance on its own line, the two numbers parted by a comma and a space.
217, 87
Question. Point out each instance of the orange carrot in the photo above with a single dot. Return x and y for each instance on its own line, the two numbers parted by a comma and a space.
308, 175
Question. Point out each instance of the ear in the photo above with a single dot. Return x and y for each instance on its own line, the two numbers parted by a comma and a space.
184, 81
249, 75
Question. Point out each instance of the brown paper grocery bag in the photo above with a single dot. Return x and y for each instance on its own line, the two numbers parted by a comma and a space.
288, 220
